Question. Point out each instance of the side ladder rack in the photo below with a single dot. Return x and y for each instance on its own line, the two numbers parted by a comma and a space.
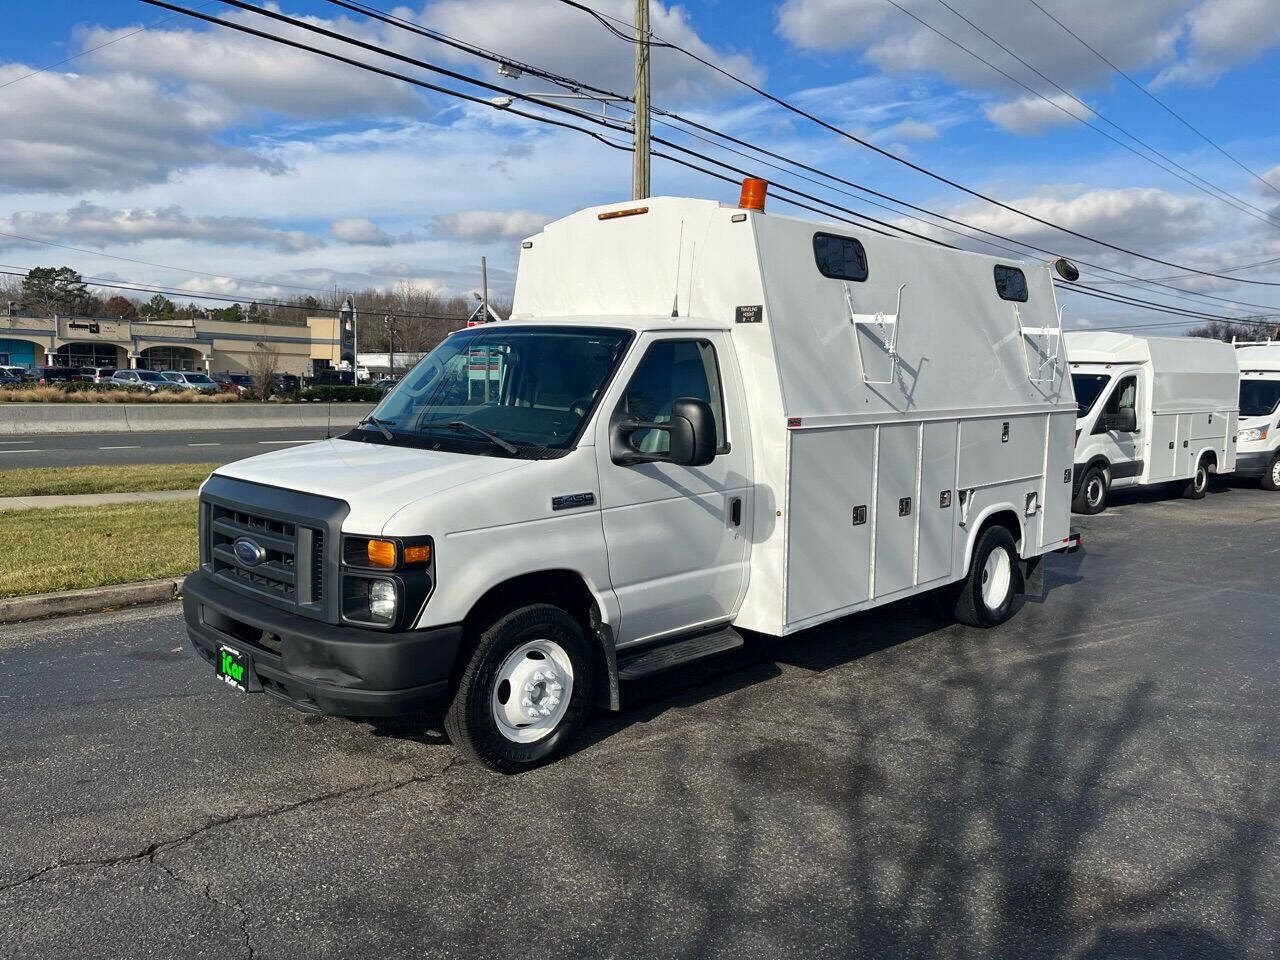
885, 327
1048, 348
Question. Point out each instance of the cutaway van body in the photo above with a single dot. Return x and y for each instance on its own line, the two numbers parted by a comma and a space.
1151, 410
698, 419
1258, 437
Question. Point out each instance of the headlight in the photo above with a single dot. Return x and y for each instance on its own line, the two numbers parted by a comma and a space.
382, 600
1253, 433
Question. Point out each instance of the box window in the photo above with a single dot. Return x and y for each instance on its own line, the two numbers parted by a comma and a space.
840, 258
1011, 284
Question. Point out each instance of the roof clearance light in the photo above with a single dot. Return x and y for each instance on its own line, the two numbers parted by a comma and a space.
615, 214
753, 194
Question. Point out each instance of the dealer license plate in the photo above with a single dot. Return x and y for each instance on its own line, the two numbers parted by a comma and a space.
234, 668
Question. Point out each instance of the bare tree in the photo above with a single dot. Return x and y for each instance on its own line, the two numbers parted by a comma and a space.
263, 365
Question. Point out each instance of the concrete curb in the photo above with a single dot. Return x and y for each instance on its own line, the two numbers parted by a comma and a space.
27, 419
41, 605
94, 499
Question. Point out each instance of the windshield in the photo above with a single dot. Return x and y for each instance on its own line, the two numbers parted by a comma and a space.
1088, 387
151, 375
530, 387
1259, 398
197, 378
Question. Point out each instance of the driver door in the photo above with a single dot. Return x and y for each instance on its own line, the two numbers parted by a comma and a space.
676, 536
1122, 447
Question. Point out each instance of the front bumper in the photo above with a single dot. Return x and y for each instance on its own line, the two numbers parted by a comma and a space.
1253, 463
320, 667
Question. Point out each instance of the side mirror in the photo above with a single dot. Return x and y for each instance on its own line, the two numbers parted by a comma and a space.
691, 431
1125, 421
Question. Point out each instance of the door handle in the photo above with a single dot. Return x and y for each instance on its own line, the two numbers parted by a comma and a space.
735, 511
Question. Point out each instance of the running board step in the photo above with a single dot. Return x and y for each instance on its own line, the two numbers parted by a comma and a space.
657, 659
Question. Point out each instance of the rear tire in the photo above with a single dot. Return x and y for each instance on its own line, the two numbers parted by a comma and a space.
1092, 496
1271, 479
984, 598
524, 694
1195, 487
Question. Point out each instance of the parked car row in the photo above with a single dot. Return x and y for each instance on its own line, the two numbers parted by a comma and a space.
149, 380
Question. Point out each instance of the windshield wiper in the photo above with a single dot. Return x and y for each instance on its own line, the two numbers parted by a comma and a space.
380, 424
487, 434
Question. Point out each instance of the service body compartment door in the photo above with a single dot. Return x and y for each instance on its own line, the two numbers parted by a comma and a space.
937, 502
1056, 498
897, 470
829, 520
1162, 449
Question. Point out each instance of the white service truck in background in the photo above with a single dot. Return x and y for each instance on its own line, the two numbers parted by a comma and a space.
1151, 410
1258, 436
700, 419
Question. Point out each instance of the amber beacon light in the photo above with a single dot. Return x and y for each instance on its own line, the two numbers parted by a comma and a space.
753, 193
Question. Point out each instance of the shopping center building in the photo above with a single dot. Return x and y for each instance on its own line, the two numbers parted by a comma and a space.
212, 346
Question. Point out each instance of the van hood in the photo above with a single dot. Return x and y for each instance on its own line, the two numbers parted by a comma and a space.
374, 479
1246, 423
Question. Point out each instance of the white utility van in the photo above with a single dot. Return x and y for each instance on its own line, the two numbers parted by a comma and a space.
1258, 438
699, 419
1152, 410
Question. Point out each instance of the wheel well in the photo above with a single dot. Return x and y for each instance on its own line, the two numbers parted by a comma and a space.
1003, 518
1210, 459
1102, 463
565, 589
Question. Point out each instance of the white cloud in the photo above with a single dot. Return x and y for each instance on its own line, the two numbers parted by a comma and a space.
1032, 114
361, 230
571, 42
65, 132
1191, 39
98, 226
486, 226
910, 130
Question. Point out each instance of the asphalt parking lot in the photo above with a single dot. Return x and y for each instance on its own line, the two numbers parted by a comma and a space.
1097, 778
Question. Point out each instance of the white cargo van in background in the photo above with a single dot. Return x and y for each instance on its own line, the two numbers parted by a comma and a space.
1152, 410
1258, 436
700, 418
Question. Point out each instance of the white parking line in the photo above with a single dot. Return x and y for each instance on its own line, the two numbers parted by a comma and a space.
135, 446
21, 451
285, 441
204, 444
10, 443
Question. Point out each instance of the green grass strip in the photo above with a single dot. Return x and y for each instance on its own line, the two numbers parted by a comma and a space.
58, 481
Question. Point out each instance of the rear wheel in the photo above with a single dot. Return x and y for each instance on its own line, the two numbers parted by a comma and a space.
984, 598
1092, 496
1199, 482
525, 692
1271, 479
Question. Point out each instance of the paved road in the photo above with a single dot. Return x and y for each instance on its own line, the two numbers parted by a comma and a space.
208, 446
1097, 779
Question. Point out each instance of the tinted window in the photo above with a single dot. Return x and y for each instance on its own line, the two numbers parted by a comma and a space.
841, 258
1088, 387
670, 370
1259, 398
1011, 284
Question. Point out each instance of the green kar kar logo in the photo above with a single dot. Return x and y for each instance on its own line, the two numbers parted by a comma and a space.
230, 669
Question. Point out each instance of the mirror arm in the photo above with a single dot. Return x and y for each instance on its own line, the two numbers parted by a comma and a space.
628, 427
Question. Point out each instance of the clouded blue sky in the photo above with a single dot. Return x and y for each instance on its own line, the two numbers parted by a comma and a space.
188, 145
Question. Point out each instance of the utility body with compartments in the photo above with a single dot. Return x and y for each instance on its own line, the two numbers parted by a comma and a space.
699, 419
1151, 410
1258, 435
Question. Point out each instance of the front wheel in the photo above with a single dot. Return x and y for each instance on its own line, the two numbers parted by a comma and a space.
1199, 482
984, 598
525, 692
1092, 496
1271, 479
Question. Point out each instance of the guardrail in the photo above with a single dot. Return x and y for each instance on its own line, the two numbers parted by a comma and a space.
20, 419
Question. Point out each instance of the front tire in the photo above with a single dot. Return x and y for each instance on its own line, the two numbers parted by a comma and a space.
1092, 496
1271, 479
1195, 487
525, 692
985, 596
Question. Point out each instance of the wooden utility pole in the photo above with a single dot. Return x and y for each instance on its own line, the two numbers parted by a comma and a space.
640, 128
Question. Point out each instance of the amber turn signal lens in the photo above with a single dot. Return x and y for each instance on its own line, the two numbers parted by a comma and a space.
382, 554
417, 554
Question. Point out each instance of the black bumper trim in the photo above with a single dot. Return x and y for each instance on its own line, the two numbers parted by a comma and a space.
1255, 463
320, 667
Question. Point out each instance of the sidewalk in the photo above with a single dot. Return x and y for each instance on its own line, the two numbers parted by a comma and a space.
93, 499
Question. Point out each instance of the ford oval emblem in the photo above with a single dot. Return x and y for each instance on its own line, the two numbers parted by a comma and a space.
249, 552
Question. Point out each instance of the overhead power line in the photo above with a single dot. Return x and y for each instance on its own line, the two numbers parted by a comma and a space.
574, 83
941, 178
1164, 106
483, 83
1209, 188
